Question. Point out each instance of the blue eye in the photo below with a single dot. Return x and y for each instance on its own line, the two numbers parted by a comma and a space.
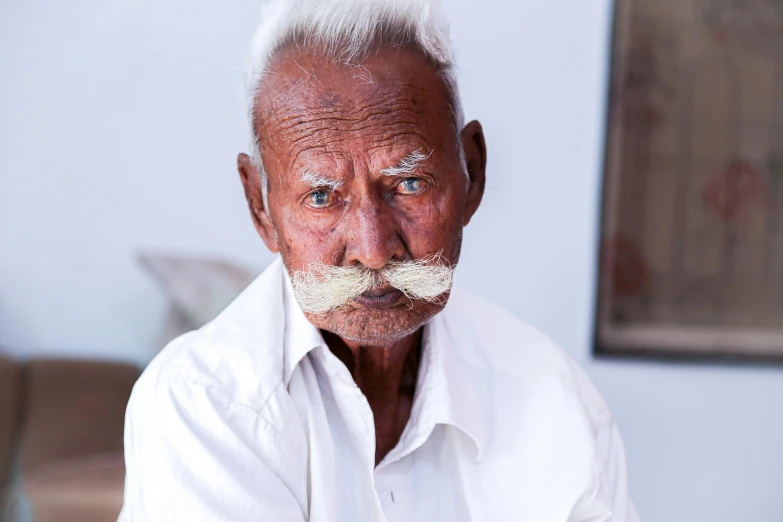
319, 199
411, 185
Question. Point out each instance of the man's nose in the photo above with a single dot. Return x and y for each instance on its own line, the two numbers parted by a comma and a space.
373, 237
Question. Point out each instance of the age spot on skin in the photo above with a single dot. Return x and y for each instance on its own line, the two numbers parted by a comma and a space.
328, 101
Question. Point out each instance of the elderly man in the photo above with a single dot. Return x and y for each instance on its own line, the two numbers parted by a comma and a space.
348, 383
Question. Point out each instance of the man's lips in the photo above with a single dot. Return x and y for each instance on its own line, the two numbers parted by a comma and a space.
379, 298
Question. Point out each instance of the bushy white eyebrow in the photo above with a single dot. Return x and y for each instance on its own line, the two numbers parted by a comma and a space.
407, 165
317, 180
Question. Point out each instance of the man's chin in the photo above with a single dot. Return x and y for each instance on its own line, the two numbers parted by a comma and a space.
376, 327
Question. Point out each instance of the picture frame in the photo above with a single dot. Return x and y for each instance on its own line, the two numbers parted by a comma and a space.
691, 245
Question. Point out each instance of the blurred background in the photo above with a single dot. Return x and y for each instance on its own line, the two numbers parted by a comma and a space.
120, 123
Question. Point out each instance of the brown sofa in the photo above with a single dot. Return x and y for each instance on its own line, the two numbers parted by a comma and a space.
69, 439
9, 421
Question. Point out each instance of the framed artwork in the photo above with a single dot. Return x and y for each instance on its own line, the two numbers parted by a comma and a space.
692, 218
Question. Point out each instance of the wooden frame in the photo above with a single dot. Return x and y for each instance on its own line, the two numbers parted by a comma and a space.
691, 257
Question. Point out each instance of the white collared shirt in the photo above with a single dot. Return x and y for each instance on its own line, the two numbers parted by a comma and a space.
252, 418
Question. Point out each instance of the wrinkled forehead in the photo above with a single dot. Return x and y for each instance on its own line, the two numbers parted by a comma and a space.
307, 99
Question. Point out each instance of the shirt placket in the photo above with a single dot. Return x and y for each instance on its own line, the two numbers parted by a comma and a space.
358, 416
393, 475
393, 484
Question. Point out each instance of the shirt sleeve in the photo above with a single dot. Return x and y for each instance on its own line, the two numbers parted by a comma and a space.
611, 478
612, 481
193, 454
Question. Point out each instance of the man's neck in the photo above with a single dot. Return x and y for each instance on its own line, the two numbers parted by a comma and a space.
387, 377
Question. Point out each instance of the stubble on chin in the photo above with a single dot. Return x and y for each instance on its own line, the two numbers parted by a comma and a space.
375, 327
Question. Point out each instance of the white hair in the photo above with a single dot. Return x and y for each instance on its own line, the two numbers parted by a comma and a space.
407, 166
316, 180
347, 30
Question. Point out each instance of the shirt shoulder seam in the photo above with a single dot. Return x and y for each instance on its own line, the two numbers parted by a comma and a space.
258, 411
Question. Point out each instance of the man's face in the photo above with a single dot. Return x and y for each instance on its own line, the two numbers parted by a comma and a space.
364, 169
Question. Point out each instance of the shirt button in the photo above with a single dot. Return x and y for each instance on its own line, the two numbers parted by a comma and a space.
387, 496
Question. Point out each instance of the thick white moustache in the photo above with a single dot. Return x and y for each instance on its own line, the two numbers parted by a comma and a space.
323, 288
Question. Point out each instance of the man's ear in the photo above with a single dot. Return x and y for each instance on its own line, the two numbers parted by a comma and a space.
251, 180
476, 159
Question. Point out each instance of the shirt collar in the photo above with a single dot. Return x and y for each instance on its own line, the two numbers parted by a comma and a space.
300, 336
450, 390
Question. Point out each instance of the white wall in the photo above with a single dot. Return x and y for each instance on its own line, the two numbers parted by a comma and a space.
119, 128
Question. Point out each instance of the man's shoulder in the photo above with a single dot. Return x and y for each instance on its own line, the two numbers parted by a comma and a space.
541, 419
238, 353
497, 338
508, 350
199, 360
